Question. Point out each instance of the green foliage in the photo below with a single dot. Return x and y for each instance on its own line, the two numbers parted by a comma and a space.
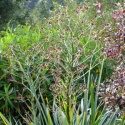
7, 10
5, 7
20, 35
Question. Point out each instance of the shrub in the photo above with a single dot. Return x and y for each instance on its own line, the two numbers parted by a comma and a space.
112, 91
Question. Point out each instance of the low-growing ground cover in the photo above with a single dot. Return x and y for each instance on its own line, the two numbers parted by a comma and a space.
55, 73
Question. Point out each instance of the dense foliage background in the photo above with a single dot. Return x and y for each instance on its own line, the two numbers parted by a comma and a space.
22, 11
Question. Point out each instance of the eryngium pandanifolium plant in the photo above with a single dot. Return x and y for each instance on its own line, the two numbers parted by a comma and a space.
86, 112
64, 63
